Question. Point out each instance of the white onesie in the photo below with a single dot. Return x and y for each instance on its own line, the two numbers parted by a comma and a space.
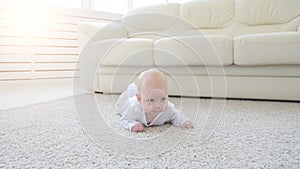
132, 113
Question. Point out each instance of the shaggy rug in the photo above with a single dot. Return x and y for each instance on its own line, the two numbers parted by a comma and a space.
83, 132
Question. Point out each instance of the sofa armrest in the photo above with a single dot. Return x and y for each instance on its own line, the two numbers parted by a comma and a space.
99, 31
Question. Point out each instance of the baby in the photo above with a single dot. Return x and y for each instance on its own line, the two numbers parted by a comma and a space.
147, 104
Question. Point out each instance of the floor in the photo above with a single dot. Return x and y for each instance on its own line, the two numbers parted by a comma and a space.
83, 132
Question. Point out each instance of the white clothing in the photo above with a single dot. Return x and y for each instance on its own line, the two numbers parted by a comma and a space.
132, 113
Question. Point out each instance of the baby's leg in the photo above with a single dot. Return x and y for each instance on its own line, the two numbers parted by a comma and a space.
123, 100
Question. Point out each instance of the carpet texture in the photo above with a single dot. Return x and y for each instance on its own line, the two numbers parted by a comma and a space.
83, 132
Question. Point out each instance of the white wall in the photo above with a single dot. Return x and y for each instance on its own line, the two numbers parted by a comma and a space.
39, 52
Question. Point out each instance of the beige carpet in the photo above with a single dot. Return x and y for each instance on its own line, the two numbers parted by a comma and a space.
83, 132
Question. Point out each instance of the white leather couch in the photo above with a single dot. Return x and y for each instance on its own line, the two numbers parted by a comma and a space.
208, 48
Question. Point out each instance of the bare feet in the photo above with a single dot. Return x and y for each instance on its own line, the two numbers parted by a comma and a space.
137, 128
187, 124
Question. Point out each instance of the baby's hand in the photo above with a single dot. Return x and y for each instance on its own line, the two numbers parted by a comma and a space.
187, 124
137, 128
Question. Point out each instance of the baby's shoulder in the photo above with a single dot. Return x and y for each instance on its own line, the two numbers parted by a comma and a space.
133, 107
171, 109
170, 105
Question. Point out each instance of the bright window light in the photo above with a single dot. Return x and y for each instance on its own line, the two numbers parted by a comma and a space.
25, 15
47, 3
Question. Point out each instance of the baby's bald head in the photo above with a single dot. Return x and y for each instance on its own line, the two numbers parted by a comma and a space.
152, 78
153, 91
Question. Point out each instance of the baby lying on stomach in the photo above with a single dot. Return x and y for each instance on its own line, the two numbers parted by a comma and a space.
147, 104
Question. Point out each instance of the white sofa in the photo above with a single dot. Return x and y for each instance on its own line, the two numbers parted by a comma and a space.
208, 48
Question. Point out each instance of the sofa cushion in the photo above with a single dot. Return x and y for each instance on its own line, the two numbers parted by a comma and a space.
267, 49
193, 50
128, 52
258, 12
208, 14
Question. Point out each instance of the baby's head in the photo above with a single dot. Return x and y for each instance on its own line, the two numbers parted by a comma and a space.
153, 90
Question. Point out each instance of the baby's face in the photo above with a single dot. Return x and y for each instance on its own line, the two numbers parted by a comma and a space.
154, 100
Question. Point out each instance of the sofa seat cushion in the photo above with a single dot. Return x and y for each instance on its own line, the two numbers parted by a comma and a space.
193, 50
267, 49
128, 52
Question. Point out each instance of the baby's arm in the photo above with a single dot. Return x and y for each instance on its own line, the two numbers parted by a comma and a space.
179, 119
131, 125
127, 121
137, 128
188, 124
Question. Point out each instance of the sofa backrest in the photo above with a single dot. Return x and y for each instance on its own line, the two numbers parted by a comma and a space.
166, 8
260, 16
263, 12
224, 17
152, 18
206, 14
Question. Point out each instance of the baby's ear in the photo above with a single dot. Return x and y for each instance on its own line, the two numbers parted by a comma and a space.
138, 97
